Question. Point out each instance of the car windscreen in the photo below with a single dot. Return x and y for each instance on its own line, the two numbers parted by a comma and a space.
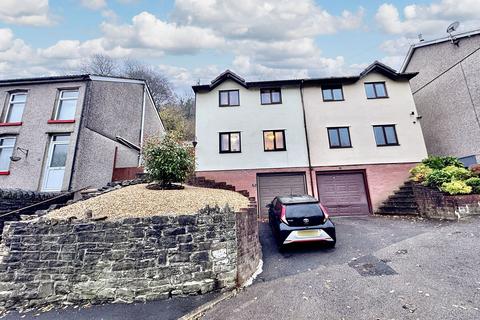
302, 210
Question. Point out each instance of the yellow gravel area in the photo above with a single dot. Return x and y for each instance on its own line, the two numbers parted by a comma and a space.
138, 201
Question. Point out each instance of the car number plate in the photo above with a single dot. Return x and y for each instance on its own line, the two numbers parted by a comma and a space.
308, 233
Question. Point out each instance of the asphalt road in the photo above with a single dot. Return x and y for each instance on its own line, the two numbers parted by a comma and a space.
382, 268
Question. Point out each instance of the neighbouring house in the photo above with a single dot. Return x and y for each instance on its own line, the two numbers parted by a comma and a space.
69, 132
350, 141
447, 94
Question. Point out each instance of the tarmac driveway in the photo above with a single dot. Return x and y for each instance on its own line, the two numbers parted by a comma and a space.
381, 268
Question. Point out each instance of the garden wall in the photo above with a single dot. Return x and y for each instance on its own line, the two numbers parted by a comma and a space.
136, 259
13, 199
435, 204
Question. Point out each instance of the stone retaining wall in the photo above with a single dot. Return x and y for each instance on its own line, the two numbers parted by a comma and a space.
13, 199
136, 259
435, 204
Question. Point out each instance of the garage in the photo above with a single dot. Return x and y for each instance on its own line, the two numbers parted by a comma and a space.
271, 185
343, 193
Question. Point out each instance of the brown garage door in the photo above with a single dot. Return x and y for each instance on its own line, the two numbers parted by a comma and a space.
271, 185
343, 193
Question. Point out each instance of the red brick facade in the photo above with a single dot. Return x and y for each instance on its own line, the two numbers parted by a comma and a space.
381, 179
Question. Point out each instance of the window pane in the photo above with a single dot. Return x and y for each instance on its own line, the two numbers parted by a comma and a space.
5, 154
279, 140
266, 97
234, 142
276, 98
234, 98
19, 97
59, 156
379, 137
344, 137
337, 94
327, 94
390, 133
369, 90
224, 98
269, 138
334, 139
380, 87
62, 137
15, 112
67, 110
224, 145
69, 94
7, 142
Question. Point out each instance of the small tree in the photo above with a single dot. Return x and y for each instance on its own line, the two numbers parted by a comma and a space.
168, 160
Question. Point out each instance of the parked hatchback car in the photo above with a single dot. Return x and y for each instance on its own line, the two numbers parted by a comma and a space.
300, 218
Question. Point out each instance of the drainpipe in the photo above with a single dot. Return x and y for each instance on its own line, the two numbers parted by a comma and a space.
143, 124
310, 169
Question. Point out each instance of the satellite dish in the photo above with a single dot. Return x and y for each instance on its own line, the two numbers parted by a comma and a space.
453, 27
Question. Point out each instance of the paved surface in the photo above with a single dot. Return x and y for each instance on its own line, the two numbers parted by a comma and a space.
382, 268
156, 310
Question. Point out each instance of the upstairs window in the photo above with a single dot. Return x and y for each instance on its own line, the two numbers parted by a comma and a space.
270, 96
274, 140
229, 98
15, 107
6, 150
385, 135
376, 90
67, 105
339, 137
332, 93
230, 142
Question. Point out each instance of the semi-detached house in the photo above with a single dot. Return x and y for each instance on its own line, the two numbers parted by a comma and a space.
349, 141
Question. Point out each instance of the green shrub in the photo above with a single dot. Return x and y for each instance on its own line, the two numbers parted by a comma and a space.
419, 172
436, 162
474, 183
456, 187
168, 160
458, 173
437, 177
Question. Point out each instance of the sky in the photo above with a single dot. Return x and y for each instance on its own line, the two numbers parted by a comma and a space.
192, 41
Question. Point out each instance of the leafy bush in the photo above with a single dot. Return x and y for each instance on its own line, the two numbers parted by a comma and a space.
458, 173
419, 172
436, 162
474, 183
437, 178
168, 160
456, 187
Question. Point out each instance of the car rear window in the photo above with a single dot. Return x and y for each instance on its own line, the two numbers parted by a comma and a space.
303, 210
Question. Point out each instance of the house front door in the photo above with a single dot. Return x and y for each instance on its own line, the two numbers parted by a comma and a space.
55, 167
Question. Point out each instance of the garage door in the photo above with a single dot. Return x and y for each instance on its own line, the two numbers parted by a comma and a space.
343, 193
272, 185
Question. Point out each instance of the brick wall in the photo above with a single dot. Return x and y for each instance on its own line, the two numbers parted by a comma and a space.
249, 251
434, 204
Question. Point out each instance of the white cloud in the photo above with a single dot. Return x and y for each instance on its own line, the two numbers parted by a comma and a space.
253, 19
431, 19
94, 4
6, 39
25, 12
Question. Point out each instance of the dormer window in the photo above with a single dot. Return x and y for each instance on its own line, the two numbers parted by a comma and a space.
270, 96
229, 98
376, 90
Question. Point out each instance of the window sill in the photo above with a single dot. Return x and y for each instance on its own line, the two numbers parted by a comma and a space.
349, 147
224, 152
388, 145
60, 121
377, 98
10, 124
276, 150
4, 173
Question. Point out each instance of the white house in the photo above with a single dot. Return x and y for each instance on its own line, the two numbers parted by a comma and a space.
349, 141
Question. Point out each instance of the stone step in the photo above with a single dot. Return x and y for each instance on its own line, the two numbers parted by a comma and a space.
399, 209
396, 213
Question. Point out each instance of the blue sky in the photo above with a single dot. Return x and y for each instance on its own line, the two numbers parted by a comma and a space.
191, 40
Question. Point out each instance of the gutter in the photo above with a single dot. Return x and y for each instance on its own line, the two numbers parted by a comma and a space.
310, 169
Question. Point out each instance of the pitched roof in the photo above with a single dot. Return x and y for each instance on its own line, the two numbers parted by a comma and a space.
413, 47
374, 67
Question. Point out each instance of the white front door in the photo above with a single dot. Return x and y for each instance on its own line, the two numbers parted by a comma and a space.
55, 167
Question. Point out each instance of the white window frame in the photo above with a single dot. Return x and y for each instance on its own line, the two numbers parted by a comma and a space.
5, 147
10, 102
59, 102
